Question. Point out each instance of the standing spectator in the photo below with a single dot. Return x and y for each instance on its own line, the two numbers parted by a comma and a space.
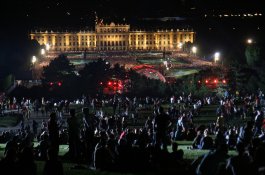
8, 165
26, 164
35, 128
74, 132
220, 122
43, 147
211, 162
246, 134
53, 129
53, 166
239, 164
258, 122
162, 123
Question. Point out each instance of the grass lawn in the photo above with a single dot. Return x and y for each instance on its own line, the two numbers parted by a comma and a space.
157, 61
9, 120
178, 72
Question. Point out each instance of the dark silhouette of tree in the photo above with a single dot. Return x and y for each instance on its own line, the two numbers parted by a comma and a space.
118, 72
93, 74
58, 70
253, 55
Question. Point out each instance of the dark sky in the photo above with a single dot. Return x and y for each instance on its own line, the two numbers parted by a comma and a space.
30, 13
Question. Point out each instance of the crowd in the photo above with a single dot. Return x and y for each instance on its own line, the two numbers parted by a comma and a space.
105, 141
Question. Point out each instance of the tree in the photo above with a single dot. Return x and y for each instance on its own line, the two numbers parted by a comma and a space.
93, 74
118, 72
253, 55
58, 69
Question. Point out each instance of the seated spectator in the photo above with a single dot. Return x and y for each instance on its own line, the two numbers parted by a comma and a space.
12, 144
197, 140
220, 138
206, 141
43, 147
231, 138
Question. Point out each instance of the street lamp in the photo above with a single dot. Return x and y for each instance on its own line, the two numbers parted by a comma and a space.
194, 50
42, 51
34, 59
249, 41
216, 56
180, 45
47, 47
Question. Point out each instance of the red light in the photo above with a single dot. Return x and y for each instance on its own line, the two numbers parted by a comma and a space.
114, 83
215, 81
206, 81
109, 83
59, 84
100, 83
51, 83
224, 81
199, 81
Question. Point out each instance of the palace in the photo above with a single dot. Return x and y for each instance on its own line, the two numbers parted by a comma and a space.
114, 37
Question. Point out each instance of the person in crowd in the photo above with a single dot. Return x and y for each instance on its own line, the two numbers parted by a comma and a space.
103, 160
162, 123
53, 166
211, 162
258, 121
74, 133
26, 163
53, 129
8, 164
206, 141
43, 147
240, 163
246, 133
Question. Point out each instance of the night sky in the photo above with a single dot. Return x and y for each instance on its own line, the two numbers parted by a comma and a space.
19, 17
30, 13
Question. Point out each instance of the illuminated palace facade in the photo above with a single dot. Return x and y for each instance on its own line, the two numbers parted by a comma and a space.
114, 37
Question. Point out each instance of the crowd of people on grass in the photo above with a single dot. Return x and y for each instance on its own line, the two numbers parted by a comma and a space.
106, 141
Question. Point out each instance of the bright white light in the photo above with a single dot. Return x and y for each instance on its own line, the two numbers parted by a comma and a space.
180, 45
216, 56
194, 49
34, 59
249, 41
42, 51
47, 46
